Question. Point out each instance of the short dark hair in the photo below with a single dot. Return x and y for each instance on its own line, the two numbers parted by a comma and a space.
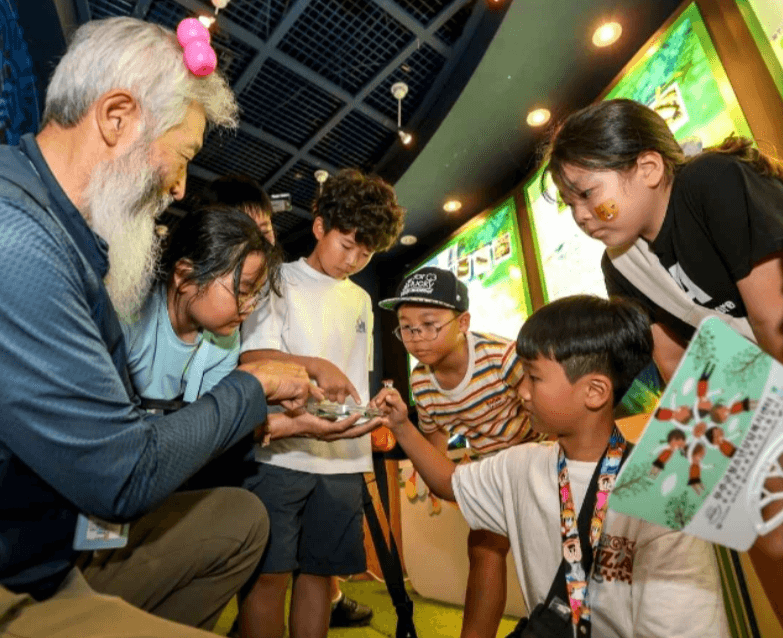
676, 434
710, 433
585, 334
241, 191
216, 240
352, 201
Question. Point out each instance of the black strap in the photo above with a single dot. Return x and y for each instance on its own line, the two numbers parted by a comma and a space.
388, 556
162, 405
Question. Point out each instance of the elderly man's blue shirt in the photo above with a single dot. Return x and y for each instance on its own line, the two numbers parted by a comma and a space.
72, 438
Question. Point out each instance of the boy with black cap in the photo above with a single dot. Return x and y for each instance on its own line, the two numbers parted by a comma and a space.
465, 383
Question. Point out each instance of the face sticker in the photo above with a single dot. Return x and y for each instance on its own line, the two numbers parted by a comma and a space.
607, 211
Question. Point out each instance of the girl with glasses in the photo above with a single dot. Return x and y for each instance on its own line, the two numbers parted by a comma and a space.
213, 272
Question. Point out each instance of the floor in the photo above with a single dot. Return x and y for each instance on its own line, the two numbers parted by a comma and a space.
432, 619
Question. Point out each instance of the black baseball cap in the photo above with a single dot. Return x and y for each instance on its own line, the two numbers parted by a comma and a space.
430, 286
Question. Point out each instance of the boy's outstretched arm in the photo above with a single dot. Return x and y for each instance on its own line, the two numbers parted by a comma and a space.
435, 468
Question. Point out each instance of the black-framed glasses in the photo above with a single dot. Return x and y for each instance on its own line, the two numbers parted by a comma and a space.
425, 332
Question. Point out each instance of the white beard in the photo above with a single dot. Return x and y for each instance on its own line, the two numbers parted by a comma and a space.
123, 199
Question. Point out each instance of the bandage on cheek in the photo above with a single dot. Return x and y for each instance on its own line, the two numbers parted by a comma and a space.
607, 211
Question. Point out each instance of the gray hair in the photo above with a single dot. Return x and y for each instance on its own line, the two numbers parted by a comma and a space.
143, 58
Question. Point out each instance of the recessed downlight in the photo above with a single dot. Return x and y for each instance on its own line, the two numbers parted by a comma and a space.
452, 206
408, 240
538, 117
608, 33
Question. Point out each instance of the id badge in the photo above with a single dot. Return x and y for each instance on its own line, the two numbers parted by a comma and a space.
93, 533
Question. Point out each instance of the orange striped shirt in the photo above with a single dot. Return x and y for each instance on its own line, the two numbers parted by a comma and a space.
484, 407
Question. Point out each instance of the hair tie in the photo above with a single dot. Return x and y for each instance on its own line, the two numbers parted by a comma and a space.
193, 37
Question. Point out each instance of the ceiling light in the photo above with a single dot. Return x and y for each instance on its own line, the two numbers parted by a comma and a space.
538, 117
399, 90
408, 240
452, 206
321, 176
608, 33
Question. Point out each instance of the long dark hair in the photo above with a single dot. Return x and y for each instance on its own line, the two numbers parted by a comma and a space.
216, 240
611, 135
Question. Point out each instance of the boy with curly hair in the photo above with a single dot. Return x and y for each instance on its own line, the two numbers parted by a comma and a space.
313, 489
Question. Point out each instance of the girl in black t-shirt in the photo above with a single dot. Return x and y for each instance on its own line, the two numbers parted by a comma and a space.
715, 221
710, 227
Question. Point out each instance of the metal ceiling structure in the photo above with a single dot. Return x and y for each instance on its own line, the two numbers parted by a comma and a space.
313, 79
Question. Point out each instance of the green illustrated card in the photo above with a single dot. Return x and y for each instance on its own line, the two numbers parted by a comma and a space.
716, 434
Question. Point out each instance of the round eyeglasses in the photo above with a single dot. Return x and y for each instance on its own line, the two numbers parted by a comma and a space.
425, 332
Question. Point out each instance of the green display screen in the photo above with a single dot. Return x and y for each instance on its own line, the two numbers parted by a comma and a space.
765, 21
487, 256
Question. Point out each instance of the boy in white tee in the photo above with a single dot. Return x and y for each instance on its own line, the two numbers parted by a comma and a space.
645, 581
313, 489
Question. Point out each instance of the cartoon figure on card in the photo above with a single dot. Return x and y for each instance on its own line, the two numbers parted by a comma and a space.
676, 440
717, 437
696, 456
720, 413
683, 414
704, 398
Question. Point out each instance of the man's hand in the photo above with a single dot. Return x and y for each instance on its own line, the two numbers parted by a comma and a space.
301, 423
332, 381
283, 383
390, 401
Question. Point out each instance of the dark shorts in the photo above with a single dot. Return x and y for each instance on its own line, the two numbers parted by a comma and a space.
316, 521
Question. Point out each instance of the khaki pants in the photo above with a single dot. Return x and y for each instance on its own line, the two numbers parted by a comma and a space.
183, 562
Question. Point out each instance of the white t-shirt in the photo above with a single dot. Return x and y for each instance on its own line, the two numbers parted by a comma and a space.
647, 582
317, 316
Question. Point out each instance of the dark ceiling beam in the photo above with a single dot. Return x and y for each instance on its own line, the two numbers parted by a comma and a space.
353, 103
82, 11
265, 51
284, 146
425, 34
258, 61
141, 9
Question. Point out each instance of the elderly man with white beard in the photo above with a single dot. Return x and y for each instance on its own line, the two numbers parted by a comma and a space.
78, 457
